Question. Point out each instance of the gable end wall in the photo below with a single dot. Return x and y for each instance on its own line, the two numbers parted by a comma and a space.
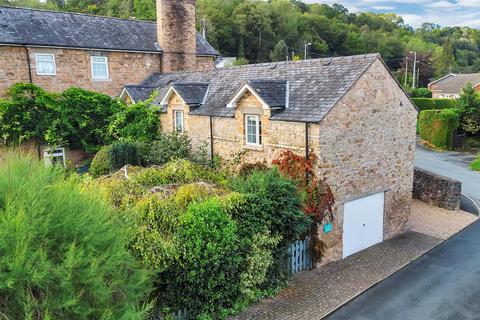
367, 144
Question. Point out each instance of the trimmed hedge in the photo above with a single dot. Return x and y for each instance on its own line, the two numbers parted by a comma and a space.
438, 126
431, 104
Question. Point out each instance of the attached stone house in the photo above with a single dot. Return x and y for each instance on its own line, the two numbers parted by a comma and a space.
349, 111
58, 50
451, 85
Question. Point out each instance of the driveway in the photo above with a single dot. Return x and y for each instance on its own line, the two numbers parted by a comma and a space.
453, 165
441, 285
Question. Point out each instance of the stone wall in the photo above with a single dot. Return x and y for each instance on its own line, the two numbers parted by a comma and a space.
436, 190
229, 133
367, 144
73, 68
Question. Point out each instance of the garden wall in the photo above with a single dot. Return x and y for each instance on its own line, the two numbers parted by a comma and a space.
436, 190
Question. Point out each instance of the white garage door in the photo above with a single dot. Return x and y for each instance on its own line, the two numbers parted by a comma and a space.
363, 223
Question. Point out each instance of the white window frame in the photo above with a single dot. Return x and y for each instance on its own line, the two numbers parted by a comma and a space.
258, 127
175, 117
48, 154
54, 64
107, 77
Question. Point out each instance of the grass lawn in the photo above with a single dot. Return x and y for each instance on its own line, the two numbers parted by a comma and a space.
475, 165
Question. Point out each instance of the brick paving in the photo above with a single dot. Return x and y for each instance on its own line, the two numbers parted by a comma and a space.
314, 294
437, 222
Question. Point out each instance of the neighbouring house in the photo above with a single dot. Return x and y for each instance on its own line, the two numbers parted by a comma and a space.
451, 85
58, 50
349, 111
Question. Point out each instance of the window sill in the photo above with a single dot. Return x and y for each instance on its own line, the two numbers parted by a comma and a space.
101, 80
253, 147
46, 75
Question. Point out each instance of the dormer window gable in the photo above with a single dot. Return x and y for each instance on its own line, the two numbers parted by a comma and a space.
272, 94
193, 94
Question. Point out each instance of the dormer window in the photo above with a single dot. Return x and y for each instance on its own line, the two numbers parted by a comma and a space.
178, 121
253, 130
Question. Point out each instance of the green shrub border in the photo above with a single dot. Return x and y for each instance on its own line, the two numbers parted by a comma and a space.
439, 126
435, 104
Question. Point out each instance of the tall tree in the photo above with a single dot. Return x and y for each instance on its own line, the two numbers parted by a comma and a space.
280, 52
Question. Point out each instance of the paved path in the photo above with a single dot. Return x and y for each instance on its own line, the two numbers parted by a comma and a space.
451, 164
313, 294
441, 285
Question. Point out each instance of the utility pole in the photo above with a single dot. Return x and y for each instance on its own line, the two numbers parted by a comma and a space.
414, 68
306, 49
204, 28
406, 71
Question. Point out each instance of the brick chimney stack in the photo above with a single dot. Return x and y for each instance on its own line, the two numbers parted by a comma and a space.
177, 34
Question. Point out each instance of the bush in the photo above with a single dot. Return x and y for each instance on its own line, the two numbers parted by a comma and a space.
248, 168
176, 172
27, 114
421, 93
122, 153
101, 163
431, 104
209, 263
138, 122
438, 126
167, 147
62, 254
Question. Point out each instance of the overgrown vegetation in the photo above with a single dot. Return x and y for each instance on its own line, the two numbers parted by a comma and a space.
438, 126
76, 117
216, 244
63, 252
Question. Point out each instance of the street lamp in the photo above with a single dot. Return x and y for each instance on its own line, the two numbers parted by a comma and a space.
306, 49
414, 68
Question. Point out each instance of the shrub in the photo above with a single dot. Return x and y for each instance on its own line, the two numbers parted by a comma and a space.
272, 202
248, 168
63, 256
168, 147
431, 104
27, 114
122, 153
138, 122
176, 172
83, 118
438, 126
101, 163
209, 263
154, 224
421, 93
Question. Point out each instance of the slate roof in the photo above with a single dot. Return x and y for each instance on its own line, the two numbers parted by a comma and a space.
23, 26
139, 93
315, 86
273, 92
192, 94
454, 83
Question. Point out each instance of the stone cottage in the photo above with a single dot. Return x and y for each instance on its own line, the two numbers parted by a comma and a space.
349, 111
58, 50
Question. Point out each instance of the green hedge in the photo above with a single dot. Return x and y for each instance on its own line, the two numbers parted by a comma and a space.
431, 104
438, 126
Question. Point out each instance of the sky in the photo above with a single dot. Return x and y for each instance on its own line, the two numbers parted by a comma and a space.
446, 13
